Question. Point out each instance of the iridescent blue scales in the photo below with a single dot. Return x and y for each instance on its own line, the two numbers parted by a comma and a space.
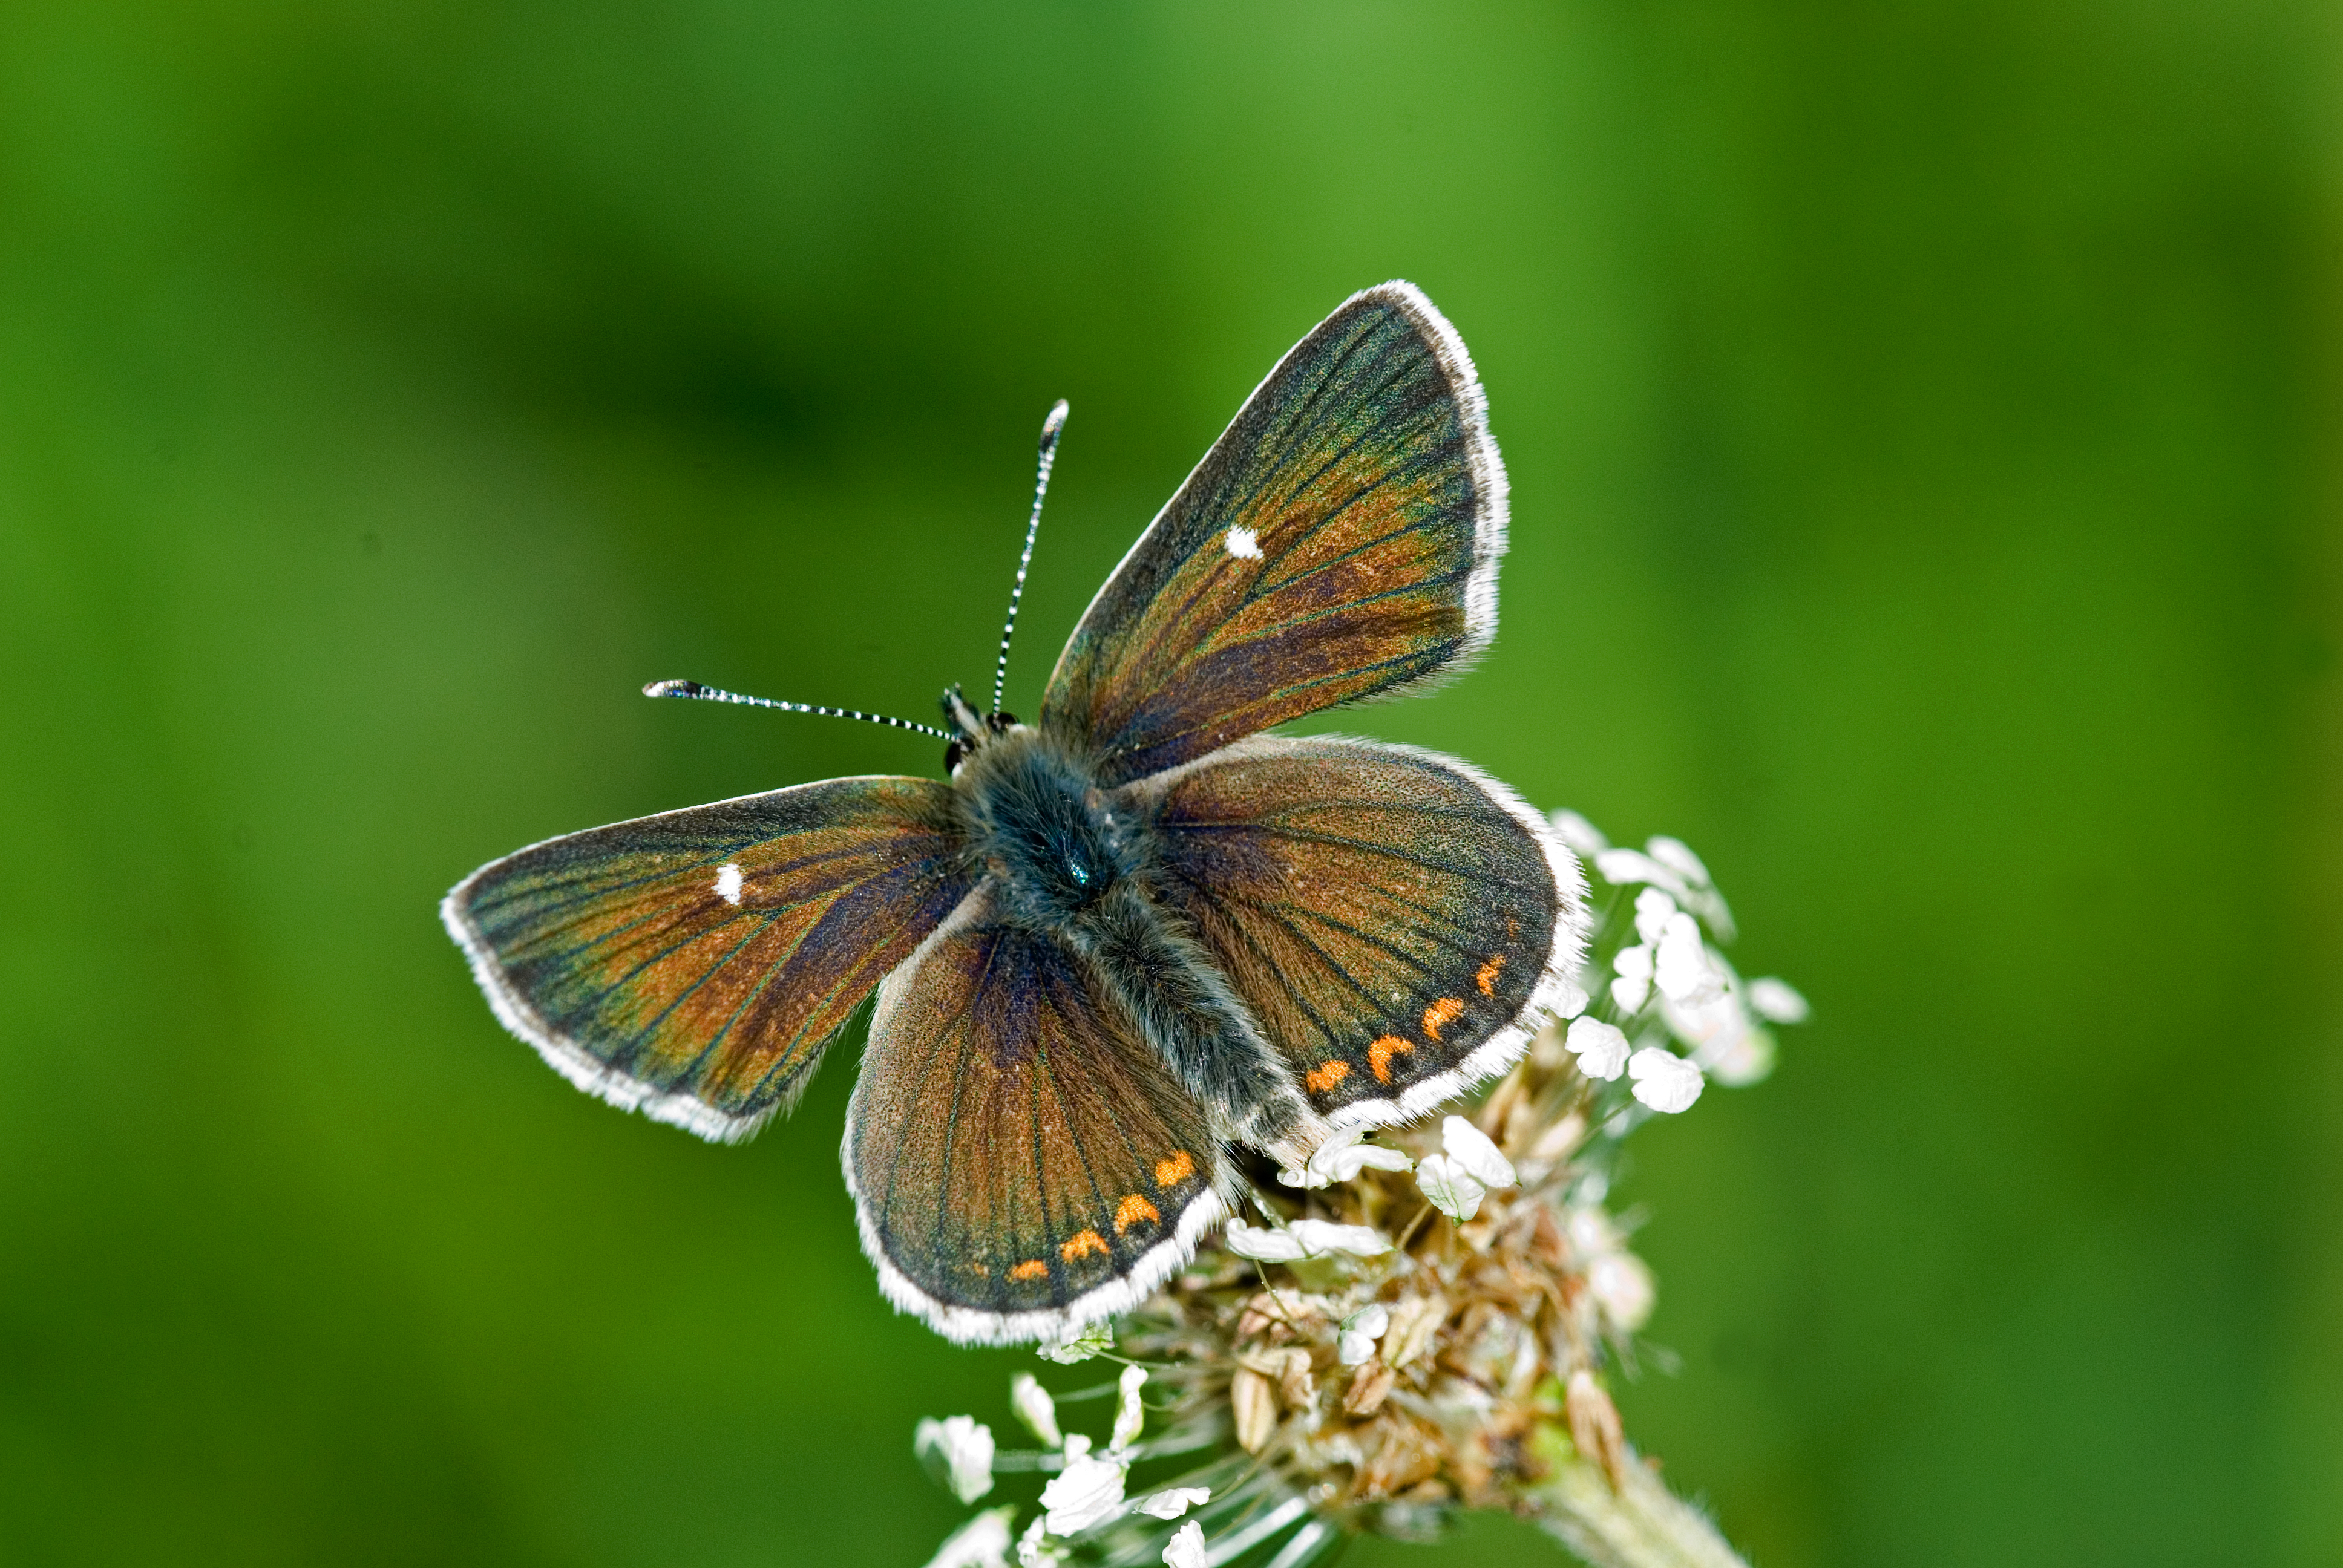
1138, 932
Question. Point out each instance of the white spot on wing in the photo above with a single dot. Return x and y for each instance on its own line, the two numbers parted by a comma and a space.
727, 883
1244, 544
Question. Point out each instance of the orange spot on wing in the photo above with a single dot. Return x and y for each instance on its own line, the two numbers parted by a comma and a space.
1030, 1269
1447, 1010
1488, 975
1379, 1055
1082, 1245
1135, 1209
1326, 1075
979, 1270
1171, 1171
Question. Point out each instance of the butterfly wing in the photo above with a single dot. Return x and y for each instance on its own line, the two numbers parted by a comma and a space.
1339, 541
692, 965
1021, 1161
1399, 923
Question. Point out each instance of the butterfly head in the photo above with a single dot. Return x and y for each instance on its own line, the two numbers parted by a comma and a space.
973, 730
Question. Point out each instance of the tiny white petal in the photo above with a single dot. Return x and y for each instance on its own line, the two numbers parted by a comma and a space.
1359, 1332
1186, 1549
1633, 964
1034, 1407
1776, 1001
1570, 1001
1035, 1549
1130, 1415
1622, 868
1087, 1492
1748, 1058
1630, 995
1341, 1159
1173, 1500
1652, 910
1682, 968
982, 1543
1601, 1049
1663, 1080
962, 1447
1079, 1346
1677, 857
1622, 1286
1579, 834
1449, 1187
1470, 1148
1319, 1238
1260, 1243
727, 883
1244, 544
1591, 1233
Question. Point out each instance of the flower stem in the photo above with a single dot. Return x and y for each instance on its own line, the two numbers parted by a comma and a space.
1639, 1524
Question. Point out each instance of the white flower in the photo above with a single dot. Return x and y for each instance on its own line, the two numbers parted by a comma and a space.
1187, 1547
1359, 1332
1634, 986
962, 1448
1654, 909
1035, 1408
1624, 868
1130, 1415
1087, 1492
1726, 1045
1470, 1147
1570, 1001
1449, 1187
1622, 1286
1677, 857
1583, 836
1079, 1346
1303, 1239
1663, 1080
1601, 1049
1774, 999
1341, 1159
1173, 1500
982, 1543
1035, 1549
1682, 969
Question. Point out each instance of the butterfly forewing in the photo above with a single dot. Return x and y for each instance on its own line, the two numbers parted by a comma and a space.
1398, 922
1020, 1160
1339, 541
693, 964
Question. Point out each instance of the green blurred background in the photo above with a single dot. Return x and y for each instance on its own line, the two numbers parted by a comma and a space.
1924, 504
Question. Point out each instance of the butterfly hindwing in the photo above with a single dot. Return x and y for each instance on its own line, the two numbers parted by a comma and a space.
1021, 1161
1339, 541
692, 965
1399, 923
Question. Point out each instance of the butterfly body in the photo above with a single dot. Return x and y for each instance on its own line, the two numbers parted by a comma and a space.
1118, 941
1074, 863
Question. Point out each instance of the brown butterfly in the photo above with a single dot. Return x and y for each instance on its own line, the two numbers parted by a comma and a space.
1131, 934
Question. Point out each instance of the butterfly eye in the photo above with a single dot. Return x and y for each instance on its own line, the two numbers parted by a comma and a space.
999, 723
953, 754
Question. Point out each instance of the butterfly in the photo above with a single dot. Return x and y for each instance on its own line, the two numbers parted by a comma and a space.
1116, 942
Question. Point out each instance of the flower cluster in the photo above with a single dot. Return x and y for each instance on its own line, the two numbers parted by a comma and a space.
1419, 1323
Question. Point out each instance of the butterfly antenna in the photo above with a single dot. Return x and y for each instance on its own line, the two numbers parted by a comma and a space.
1050, 427
709, 694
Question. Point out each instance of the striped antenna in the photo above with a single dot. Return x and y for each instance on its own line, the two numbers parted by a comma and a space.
709, 694
1051, 426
